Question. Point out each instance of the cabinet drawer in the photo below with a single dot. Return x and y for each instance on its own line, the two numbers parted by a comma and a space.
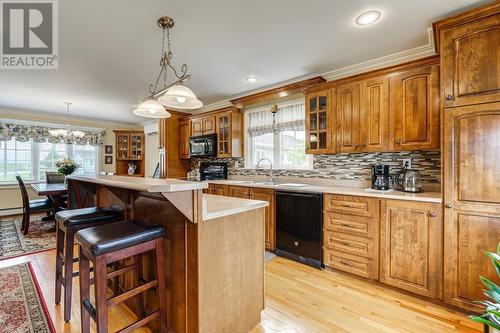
351, 205
339, 242
348, 263
347, 224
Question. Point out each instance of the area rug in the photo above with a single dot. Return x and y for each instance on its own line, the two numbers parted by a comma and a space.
13, 243
22, 307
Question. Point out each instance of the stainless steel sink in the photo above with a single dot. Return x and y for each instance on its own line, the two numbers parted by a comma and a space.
292, 185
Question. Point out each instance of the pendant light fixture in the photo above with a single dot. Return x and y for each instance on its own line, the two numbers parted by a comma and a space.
175, 95
65, 132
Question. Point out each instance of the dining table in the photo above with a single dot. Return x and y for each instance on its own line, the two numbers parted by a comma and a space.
54, 191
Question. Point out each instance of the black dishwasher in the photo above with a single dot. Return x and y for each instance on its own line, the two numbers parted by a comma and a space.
299, 223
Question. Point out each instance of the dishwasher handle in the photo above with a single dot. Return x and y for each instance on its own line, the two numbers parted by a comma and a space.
300, 195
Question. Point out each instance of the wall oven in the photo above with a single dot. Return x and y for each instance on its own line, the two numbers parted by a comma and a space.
203, 146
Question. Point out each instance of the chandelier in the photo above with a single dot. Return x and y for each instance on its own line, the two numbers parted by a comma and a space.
66, 132
175, 95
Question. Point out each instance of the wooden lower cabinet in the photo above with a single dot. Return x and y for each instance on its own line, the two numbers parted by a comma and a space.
217, 189
350, 234
263, 195
411, 255
267, 195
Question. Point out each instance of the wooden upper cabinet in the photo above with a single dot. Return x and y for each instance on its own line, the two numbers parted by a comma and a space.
374, 125
470, 57
209, 124
472, 199
319, 123
411, 246
184, 134
197, 126
414, 107
348, 117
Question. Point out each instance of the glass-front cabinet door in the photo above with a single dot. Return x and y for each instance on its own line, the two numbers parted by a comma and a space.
224, 134
136, 145
122, 142
319, 125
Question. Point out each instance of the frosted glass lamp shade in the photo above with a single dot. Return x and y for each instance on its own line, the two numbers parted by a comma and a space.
180, 97
151, 109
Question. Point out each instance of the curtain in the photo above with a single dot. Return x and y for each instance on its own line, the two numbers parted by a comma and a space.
288, 118
23, 133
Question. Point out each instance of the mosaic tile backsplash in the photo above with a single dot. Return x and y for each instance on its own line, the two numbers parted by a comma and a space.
346, 166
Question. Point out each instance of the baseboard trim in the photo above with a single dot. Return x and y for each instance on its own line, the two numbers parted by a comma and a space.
11, 211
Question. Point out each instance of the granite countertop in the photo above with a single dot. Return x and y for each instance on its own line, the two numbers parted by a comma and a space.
142, 184
426, 196
215, 206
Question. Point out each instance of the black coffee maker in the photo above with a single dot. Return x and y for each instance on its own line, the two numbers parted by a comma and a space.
380, 177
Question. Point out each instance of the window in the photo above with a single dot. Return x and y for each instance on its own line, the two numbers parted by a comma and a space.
31, 160
15, 159
282, 141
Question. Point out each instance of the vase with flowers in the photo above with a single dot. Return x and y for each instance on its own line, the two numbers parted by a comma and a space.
66, 167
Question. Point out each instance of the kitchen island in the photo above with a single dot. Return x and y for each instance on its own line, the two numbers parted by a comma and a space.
214, 247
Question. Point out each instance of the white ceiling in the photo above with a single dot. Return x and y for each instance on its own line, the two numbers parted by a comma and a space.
109, 50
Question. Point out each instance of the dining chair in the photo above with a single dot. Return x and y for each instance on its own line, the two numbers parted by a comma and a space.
54, 177
32, 206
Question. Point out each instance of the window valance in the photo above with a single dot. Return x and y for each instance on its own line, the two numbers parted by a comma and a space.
24, 132
289, 117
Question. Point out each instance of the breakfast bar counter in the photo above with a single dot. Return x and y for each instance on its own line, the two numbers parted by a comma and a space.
214, 249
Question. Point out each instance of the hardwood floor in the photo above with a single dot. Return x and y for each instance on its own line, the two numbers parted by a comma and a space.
299, 299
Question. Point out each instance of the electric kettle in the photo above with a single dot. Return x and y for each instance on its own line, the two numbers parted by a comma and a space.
408, 180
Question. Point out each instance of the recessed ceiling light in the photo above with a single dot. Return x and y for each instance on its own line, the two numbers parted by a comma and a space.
252, 78
368, 17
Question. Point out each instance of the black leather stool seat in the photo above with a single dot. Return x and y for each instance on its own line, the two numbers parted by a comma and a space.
117, 236
75, 217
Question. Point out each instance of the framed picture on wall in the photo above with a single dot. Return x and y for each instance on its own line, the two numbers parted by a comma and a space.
108, 149
108, 159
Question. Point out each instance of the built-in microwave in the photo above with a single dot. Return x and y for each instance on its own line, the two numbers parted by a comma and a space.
203, 146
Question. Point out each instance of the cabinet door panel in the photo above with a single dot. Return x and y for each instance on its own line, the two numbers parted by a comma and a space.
209, 124
375, 115
319, 123
348, 117
471, 62
196, 127
239, 192
410, 251
415, 109
270, 229
184, 134
471, 193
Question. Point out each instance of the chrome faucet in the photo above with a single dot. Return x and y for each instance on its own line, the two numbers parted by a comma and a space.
272, 179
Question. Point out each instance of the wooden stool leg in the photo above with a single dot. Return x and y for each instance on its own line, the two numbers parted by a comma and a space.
137, 282
101, 300
84, 291
59, 263
161, 290
68, 272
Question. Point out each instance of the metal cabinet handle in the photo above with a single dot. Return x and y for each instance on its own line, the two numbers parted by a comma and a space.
449, 206
296, 243
397, 141
449, 97
432, 214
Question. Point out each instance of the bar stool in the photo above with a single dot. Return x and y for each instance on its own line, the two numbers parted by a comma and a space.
107, 244
67, 224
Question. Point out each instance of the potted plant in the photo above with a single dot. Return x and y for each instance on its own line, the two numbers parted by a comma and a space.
66, 167
491, 315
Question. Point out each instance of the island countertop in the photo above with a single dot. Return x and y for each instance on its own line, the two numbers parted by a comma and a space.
215, 206
142, 184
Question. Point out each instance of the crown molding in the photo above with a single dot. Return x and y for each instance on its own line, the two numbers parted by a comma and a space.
385, 61
362, 67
